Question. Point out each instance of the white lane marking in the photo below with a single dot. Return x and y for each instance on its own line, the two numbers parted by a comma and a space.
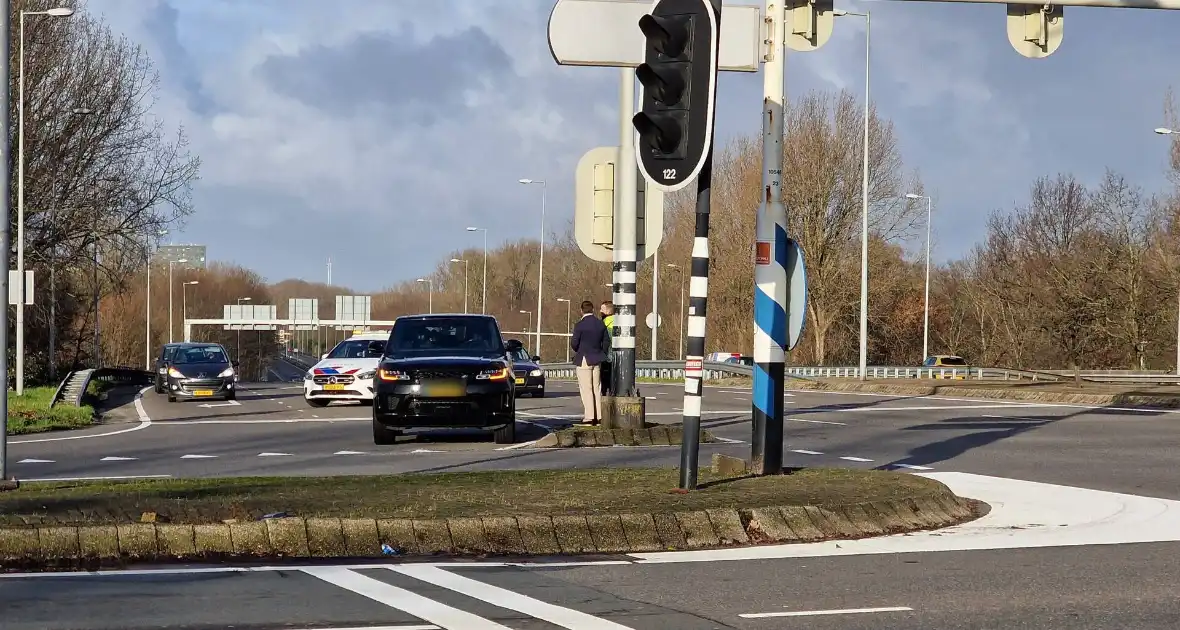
856, 459
803, 452
504, 598
931, 407
1024, 515
228, 403
197, 456
727, 440
294, 567
348, 453
421, 607
144, 422
176, 423
843, 424
913, 467
425, 450
1016, 418
814, 613
36, 461
650, 398
274, 455
111, 478
116, 458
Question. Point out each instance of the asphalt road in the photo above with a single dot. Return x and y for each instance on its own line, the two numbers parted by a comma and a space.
1112, 576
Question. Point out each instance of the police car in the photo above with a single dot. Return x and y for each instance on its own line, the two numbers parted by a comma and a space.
346, 373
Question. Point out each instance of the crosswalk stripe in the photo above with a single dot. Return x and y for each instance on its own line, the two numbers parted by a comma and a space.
421, 607
504, 598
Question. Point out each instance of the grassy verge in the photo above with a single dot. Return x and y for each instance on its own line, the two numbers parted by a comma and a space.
446, 495
30, 413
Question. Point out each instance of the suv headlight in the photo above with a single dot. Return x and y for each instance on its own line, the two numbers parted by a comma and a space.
175, 373
366, 375
392, 375
535, 373
498, 374
226, 373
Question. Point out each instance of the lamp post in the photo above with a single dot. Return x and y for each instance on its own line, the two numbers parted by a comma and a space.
171, 264
483, 303
430, 295
541, 258
460, 260
926, 306
682, 315
239, 303
20, 196
864, 219
1164, 131
184, 299
530, 324
567, 326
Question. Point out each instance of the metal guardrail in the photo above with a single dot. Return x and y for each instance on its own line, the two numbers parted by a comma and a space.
663, 370
75, 387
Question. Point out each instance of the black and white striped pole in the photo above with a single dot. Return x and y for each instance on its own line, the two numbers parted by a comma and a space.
674, 146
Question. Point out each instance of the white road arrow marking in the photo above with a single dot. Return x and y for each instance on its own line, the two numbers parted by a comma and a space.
197, 456
116, 458
36, 461
228, 403
274, 455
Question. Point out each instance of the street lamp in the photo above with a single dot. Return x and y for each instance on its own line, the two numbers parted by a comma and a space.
460, 260
483, 303
864, 201
20, 197
184, 300
1164, 131
926, 307
541, 259
567, 326
172, 263
240, 300
530, 324
430, 295
682, 315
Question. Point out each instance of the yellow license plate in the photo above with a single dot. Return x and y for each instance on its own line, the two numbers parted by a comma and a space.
333, 387
203, 392
444, 389
520, 381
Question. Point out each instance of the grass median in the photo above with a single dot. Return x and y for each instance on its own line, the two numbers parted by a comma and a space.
30, 413
445, 495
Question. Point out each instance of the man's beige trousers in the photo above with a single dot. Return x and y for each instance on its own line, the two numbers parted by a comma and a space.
589, 387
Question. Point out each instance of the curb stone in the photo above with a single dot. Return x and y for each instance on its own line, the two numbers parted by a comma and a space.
652, 436
1098, 400
297, 537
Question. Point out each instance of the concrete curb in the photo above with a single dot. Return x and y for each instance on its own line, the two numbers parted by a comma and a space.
666, 435
297, 537
1097, 400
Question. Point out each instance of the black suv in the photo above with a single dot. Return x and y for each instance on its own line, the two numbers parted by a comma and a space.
444, 371
200, 370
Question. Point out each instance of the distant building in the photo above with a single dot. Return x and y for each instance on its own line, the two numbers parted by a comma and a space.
194, 254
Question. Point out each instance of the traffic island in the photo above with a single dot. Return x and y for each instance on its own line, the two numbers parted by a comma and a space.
1092, 394
551, 512
651, 434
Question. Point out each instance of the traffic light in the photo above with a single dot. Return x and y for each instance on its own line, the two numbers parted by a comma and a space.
678, 79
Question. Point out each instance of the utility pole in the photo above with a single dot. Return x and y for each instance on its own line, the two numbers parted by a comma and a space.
5, 222
625, 237
770, 273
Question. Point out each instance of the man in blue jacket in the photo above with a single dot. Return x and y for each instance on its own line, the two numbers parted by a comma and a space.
589, 340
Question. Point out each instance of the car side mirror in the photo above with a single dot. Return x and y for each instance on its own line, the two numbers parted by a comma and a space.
536, 358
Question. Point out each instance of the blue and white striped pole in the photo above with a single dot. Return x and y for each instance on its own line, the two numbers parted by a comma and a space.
770, 265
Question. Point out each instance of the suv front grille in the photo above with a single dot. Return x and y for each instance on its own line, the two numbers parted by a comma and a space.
343, 379
442, 373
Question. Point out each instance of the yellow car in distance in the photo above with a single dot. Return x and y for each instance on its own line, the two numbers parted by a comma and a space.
948, 361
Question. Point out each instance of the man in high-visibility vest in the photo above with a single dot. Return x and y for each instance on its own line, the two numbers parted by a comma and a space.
607, 313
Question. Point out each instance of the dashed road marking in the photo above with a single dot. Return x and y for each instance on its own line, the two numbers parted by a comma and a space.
116, 458
275, 455
197, 456
913, 467
842, 424
36, 461
814, 613
855, 459
806, 452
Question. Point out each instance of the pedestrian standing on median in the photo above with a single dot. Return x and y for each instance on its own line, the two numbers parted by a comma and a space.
607, 313
588, 341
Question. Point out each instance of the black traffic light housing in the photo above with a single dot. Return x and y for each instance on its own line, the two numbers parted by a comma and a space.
678, 79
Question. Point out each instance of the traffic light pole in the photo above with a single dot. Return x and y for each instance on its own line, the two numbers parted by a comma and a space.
623, 276
770, 272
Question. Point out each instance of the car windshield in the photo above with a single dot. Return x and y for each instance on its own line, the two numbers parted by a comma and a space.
520, 354
202, 354
445, 335
357, 349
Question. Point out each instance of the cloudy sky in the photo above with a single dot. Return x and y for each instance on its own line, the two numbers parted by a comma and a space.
374, 131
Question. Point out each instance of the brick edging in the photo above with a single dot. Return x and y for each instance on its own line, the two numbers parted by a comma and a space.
1137, 400
297, 537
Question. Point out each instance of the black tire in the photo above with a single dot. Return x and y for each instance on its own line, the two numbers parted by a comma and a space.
506, 434
317, 403
171, 398
383, 436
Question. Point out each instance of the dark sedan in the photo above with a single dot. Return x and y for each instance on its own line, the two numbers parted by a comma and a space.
529, 379
201, 370
444, 372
